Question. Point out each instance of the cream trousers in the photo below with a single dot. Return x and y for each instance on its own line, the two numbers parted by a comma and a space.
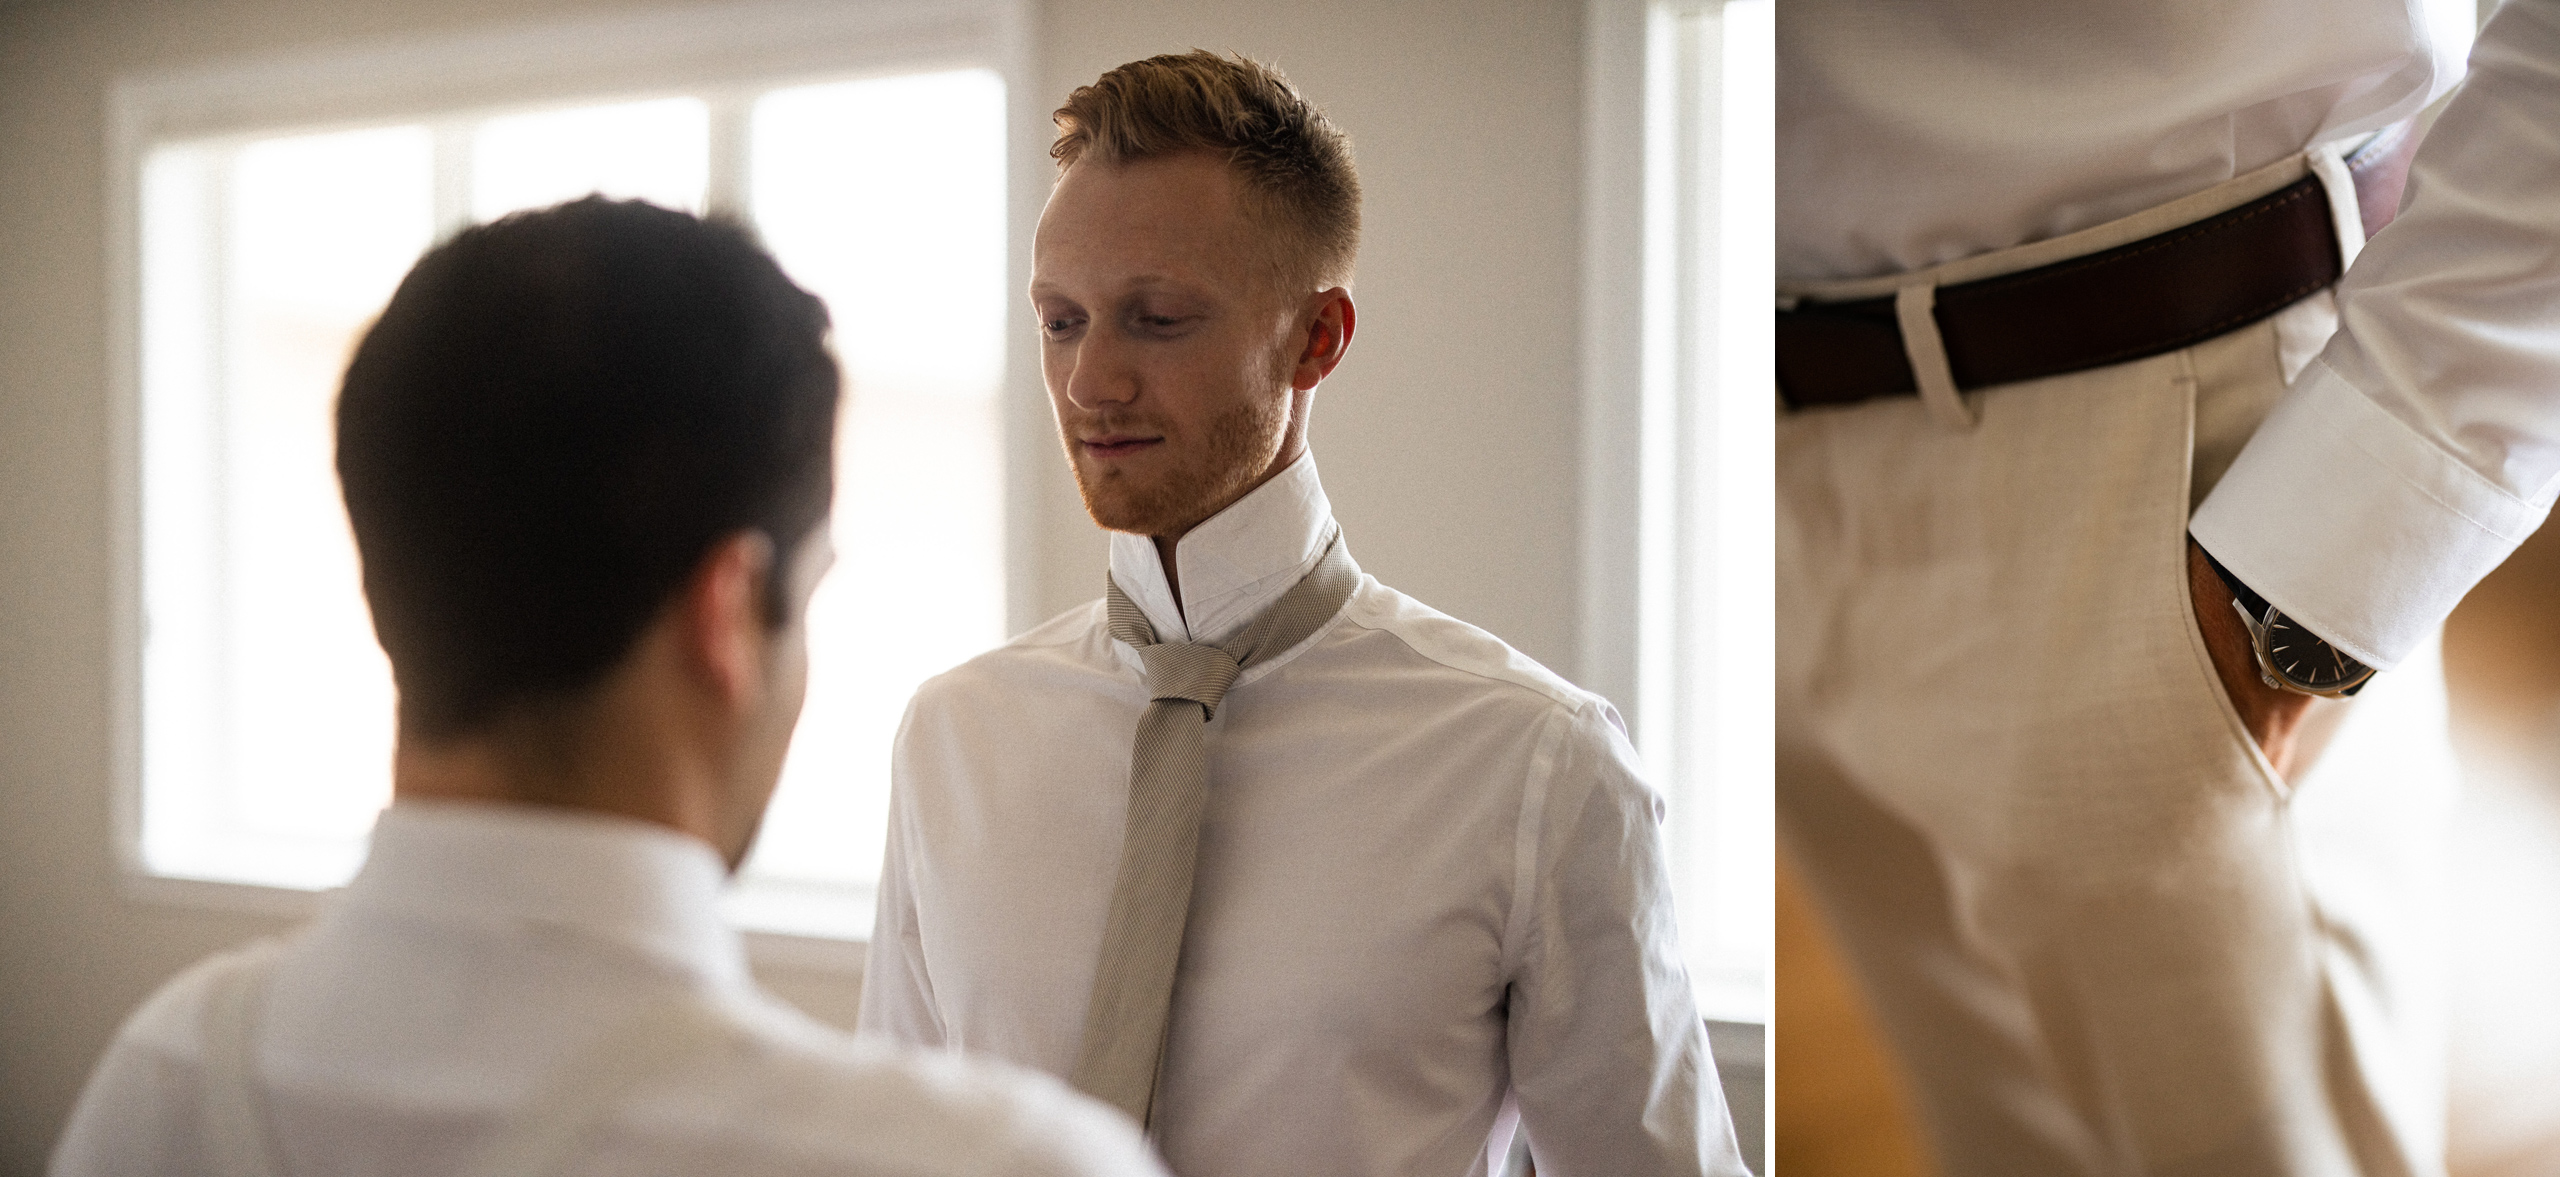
2103, 936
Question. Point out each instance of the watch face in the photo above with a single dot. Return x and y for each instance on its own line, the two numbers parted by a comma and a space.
2306, 661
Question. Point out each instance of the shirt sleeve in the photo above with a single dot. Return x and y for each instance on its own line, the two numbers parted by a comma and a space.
1609, 1056
1072, 1136
139, 1112
120, 1124
2423, 445
897, 994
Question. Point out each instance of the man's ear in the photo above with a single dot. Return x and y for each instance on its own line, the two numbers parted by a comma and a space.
722, 616
1328, 336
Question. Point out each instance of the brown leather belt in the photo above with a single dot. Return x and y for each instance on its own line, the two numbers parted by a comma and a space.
2155, 295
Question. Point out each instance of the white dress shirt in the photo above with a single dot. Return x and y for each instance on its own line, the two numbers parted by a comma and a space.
1431, 899
1918, 132
2424, 444
480, 948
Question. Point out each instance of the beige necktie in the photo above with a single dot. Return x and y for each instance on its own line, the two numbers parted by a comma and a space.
1124, 1026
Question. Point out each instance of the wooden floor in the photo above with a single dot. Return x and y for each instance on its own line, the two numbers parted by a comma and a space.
1841, 1109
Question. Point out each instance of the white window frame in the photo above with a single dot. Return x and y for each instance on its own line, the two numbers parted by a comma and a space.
724, 54
1658, 319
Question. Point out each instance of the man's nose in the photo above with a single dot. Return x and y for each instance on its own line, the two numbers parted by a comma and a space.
1101, 373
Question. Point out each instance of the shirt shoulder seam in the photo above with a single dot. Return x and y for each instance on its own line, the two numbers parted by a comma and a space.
1367, 615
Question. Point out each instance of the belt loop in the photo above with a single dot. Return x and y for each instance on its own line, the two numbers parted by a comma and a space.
1914, 307
2340, 184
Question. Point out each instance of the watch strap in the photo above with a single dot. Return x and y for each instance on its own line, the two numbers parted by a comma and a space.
2257, 606
2248, 597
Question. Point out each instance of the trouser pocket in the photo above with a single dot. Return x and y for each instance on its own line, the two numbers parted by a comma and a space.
1987, 634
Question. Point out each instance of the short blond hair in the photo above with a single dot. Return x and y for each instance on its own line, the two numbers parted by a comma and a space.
1295, 164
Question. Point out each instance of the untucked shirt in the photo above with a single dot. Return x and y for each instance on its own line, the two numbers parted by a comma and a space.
1431, 899
482, 947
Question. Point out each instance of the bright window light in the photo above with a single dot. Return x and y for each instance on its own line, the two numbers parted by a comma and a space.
268, 735
658, 151
886, 198
1745, 458
1708, 565
267, 704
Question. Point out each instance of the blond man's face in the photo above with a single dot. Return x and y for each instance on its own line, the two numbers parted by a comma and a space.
1166, 347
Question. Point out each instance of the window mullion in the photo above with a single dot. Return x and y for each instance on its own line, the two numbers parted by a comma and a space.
453, 179
730, 185
1688, 252
224, 703
1658, 660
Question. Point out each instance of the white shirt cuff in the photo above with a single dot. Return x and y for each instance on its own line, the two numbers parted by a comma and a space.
2356, 525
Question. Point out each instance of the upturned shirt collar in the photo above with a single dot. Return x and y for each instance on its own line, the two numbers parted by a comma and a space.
1234, 564
619, 881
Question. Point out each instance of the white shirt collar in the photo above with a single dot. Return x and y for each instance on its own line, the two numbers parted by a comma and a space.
629, 883
1234, 564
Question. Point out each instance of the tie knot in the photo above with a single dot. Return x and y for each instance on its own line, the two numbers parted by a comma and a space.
1193, 671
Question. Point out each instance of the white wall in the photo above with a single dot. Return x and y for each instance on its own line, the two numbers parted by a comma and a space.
1449, 440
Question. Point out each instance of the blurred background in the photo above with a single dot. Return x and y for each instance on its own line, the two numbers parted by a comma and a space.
203, 202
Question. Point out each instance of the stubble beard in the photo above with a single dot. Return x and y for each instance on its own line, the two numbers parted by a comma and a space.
1239, 444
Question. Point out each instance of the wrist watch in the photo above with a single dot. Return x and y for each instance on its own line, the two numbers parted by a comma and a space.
2290, 658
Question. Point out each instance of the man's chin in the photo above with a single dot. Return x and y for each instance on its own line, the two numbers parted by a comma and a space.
1111, 515
1116, 506
1161, 503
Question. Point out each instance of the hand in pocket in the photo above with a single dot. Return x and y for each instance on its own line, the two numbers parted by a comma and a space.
2275, 718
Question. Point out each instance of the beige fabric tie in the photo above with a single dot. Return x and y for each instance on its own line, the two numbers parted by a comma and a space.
1132, 1004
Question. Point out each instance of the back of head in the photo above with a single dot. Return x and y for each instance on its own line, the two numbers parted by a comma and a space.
557, 416
1295, 164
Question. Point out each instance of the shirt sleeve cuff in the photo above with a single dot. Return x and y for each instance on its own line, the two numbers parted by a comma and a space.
2356, 525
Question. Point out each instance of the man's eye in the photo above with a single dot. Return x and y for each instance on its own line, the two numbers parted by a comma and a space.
1057, 326
1159, 322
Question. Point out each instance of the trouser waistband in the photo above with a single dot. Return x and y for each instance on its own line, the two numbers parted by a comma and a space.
2157, 281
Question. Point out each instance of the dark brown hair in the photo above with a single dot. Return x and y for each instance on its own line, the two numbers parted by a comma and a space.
554, 421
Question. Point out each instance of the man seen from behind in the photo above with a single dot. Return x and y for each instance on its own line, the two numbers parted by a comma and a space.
587, 454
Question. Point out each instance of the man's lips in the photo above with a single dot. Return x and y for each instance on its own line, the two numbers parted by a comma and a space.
1117, 445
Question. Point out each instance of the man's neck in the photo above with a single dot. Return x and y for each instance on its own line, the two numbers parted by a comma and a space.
1291, 448
1172, 571
585, 762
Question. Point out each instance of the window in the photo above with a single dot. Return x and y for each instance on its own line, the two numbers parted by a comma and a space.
1710, 477
276, 207
1680, 566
